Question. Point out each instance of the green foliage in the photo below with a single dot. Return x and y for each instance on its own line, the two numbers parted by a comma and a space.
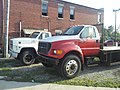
117, 36
110, 34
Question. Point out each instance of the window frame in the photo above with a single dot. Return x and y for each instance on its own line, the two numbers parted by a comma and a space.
47, 35
72, 16
43, 12
61, 15
99, 17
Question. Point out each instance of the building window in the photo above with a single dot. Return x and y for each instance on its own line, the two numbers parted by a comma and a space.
72, 13
99, 18
60, 10
45, 8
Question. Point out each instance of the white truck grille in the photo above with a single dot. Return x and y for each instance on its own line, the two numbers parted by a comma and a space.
11, 44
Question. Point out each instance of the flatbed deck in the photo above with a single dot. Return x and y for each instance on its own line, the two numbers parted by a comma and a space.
110, 54
110, 48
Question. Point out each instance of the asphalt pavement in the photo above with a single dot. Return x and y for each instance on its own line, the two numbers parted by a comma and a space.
12, 85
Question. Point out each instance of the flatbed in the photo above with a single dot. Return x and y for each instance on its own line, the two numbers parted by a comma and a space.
110, 48
110, 54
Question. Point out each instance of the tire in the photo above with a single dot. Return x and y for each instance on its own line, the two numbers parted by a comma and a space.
27, 57
47, 64
70, 66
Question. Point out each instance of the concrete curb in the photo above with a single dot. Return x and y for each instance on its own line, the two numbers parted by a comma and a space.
11, 85
10, 58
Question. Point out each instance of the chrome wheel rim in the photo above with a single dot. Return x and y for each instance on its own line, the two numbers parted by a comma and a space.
71, 67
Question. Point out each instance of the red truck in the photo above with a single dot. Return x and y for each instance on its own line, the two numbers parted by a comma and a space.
70, 50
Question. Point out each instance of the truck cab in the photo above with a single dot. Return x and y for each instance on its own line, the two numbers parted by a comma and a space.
25, 48
69, 50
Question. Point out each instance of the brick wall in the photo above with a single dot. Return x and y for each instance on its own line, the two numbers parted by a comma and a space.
29, 12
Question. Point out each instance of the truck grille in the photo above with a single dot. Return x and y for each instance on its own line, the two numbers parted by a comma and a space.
11, 44
44, 47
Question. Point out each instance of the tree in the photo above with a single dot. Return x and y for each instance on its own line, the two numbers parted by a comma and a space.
110, 28
107, 33
110, 34
117, 36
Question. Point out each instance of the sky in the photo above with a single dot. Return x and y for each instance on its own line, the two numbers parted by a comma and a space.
108, 5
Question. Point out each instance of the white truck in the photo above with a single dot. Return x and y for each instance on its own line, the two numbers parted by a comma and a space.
25, 48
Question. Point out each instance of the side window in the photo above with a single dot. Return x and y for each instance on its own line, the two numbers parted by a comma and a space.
92, 32
88, 32
46, 35
40, 37
85, 33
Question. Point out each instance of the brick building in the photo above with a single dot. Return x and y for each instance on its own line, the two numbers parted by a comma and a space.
52, 15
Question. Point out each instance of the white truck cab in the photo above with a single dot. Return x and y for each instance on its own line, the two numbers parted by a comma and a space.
25, 48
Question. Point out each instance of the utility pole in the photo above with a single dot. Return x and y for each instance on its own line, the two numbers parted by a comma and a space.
115, 24
7, 27
3, 28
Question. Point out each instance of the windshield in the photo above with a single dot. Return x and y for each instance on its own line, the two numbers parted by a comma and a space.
34, 35
73, 30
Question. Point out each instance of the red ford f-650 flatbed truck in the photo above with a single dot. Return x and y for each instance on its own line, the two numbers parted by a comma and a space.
70, 50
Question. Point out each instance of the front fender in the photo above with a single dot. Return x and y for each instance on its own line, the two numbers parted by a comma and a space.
66, 48
76, 49
34, 46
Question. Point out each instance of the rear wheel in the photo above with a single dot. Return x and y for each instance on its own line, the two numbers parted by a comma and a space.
27, 57
70, 67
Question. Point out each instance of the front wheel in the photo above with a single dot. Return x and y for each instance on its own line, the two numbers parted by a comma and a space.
27, 57
70, 66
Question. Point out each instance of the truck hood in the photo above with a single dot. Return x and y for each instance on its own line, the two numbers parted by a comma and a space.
23, 39
59, 38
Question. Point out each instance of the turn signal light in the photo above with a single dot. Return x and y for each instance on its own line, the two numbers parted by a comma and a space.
57, 52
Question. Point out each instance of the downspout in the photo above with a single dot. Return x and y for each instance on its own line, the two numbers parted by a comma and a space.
49, 25
20, 27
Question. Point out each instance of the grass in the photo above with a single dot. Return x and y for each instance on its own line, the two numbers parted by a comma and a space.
89, 82
15, 71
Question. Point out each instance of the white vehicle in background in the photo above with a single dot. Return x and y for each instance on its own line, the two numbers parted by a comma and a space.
25, 48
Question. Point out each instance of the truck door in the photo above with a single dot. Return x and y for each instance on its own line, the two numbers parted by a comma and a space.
88, 42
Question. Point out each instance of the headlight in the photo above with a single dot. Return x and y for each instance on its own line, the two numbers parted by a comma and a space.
57, 52
19, 42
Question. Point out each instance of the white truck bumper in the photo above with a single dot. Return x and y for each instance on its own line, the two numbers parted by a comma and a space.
13, 54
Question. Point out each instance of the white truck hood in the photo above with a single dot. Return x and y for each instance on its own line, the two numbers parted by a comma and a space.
59, 38
24, 40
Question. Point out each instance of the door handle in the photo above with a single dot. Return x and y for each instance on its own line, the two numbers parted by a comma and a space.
97, 41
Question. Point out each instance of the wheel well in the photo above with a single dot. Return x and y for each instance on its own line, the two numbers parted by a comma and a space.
26, 49
76, 53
